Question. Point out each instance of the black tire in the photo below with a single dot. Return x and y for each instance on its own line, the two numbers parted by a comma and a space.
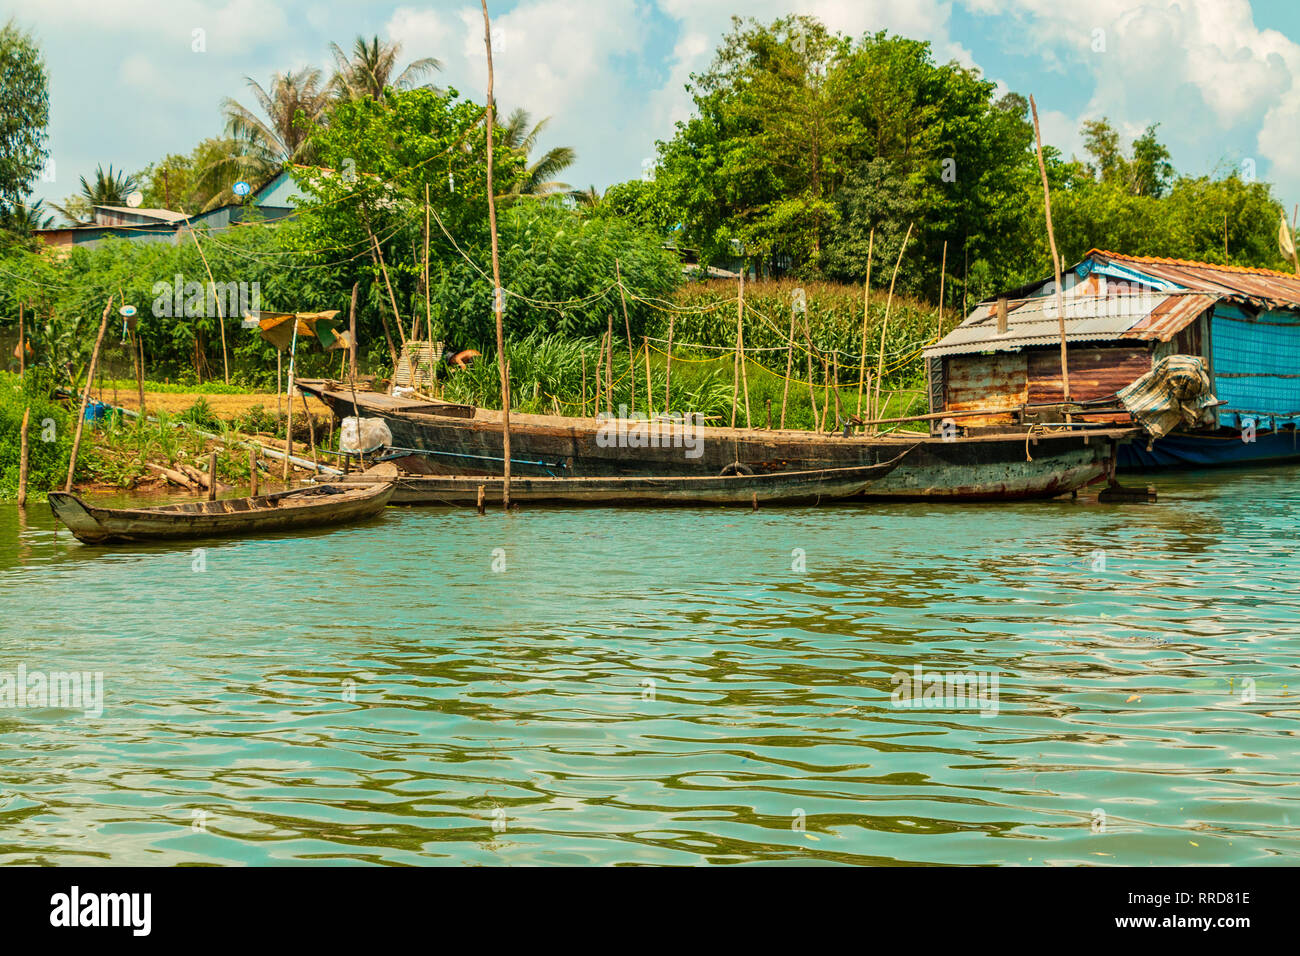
735, 468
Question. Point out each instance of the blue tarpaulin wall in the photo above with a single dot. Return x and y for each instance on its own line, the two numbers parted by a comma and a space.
1253, 355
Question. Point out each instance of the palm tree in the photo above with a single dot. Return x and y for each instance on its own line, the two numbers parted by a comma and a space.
258, 146
24, 219
589, 197
371, 67
539, 177
109, 189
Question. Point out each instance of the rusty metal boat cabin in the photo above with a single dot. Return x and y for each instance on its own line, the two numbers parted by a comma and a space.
1002, 365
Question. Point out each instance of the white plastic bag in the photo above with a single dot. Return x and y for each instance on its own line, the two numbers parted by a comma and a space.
373, 434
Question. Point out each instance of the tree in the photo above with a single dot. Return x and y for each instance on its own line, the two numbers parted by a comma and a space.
371, 68
1148, 172
259, 146
24, 114
539, 176
108, 189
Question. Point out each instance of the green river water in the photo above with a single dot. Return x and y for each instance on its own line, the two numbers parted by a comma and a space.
602, 687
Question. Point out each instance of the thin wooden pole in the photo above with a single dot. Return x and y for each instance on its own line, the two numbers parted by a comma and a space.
221, 313
889, 302
866, 308
609, 365
377, 256
812, 396
137, 359
943, 269
428, 303
498, 292
789, 366
835, 384
22, 458
740, 347
649, 407
22, 350
1056, 259
279, 383
583, 353
288, 431
631, 356
212, 476
352, 331
735, 370
668, 370
252, 471
85, 394
311, 428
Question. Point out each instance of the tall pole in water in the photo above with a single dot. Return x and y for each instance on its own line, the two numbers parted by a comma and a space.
1056, 259
498, 294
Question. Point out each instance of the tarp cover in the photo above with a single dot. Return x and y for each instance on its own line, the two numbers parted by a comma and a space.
1175, 392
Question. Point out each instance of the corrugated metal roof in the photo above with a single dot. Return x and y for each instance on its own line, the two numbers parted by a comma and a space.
1089, 318
1263, 287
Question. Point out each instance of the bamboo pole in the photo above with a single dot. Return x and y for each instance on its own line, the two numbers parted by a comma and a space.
649, 406
22, 458
835, 383
583, 353
498, 292
812, 395
85, 394
943, 269
631, 356
311, 427
668, 370
252, 471
288, 431
352, 331
1056, 259
609, 366
212, 476
279, 383
137, 359
221, 313
740, 346
889, 302
22, 350
377, 256
789, 367
866, 303
428, 303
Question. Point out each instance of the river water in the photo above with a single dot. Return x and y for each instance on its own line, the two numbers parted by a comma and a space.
601, 687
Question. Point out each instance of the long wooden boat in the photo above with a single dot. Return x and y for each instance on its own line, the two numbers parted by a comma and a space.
298, 508
1015, 465
748, 490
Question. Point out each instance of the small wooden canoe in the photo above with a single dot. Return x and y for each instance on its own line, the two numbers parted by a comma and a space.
297, 508
774, 488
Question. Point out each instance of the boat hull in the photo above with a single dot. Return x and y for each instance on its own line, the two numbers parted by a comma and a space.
303, 508
778, 488
1211, 450
976, 468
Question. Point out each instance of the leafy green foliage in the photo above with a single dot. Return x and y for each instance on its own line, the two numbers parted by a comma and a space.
24, 114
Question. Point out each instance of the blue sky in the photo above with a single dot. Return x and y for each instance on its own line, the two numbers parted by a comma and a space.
1222, 77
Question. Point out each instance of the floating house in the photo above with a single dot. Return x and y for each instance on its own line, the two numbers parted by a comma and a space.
1002, 365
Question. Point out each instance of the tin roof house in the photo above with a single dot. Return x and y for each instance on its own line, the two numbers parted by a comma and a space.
1002, 364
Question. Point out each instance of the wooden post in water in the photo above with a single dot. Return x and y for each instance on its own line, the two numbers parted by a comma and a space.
866, 307
212, 476
668, 369
252, 471
482, 504
1056, 259
22, 458
85, 394
498, 292
889, 302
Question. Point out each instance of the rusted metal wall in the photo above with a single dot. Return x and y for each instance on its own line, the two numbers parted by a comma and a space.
1094, 372
998, 381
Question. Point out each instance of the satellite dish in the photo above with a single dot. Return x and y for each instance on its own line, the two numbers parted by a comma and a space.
241, 188
126, 311
135, 199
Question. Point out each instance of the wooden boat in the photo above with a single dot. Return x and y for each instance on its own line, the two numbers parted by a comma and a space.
748, 490
297, 508
987, 467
